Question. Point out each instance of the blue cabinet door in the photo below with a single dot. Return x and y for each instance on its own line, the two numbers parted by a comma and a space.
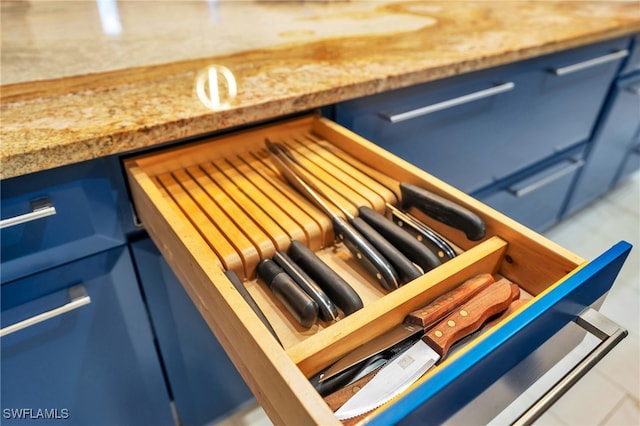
87, 202
94, 364
204, 382
612, 143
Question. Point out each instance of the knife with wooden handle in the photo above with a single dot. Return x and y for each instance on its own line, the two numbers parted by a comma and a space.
416, 322
401, 372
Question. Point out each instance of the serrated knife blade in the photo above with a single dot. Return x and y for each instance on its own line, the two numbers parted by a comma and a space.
401, 372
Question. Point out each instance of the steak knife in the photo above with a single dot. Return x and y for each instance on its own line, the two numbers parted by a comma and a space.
416, 322
401, 372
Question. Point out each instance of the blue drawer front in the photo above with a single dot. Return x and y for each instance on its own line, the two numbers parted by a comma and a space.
612, 143
631, 163
461, 380
86, 219
204, 382
536, 200
93, 365
472, 144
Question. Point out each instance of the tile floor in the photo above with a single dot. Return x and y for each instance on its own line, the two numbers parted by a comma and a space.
610, 393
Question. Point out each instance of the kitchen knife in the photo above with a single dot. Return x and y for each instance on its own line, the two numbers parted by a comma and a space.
443, 210
421, 232
338, 290
418, 253
327, 310
401, 372
363, 250
298, 303
237, 283
414, 324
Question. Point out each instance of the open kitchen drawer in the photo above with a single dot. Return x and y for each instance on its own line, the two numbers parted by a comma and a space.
220, 205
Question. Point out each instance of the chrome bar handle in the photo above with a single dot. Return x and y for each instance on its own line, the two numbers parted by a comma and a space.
604, 329
77, 297
40, 207
575, 165
590, 63
414, 113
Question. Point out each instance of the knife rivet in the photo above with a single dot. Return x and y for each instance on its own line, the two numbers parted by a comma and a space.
438, 333
400, 223
463, 313
358, 255
419, 237
378, 276
451, 323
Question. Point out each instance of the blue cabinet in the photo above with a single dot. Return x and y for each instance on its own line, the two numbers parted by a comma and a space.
544, 187
94, 362
204, 382
615, 140
474, 129
75, 211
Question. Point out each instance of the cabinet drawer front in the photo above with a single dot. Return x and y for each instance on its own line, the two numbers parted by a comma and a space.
536, 200
77, 217
168, 205
472, 129
612, 140
90, 364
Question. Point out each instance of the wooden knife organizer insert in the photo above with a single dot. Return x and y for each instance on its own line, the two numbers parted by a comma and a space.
221, 205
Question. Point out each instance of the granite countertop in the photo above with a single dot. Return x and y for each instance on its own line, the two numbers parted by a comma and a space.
82, 80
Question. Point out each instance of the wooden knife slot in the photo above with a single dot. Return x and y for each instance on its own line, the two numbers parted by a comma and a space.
221, 205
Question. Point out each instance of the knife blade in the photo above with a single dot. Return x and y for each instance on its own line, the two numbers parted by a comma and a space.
363, 251
416, 322
440, 208
400, 373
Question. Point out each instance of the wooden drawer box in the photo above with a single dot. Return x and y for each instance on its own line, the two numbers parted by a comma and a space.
210, 206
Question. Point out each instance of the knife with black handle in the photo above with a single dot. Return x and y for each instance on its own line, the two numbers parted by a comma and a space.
327, 310
363, 250
298, 303
338, 290
443, 210
408, 245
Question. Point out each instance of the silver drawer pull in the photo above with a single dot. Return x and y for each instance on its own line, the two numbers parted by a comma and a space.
77, 297
604, 329
40, 207
521, 192
590, 63
396, 118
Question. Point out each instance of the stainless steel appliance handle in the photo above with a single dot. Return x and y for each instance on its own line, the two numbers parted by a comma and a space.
604, 329
418, 112
77, 297
575, 165
40, 207
590, 63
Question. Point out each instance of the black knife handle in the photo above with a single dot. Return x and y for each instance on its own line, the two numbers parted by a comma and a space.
327, 310
366, 254
399, 237
336, 288
299, 304
406, 270
443, 210
237, 283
